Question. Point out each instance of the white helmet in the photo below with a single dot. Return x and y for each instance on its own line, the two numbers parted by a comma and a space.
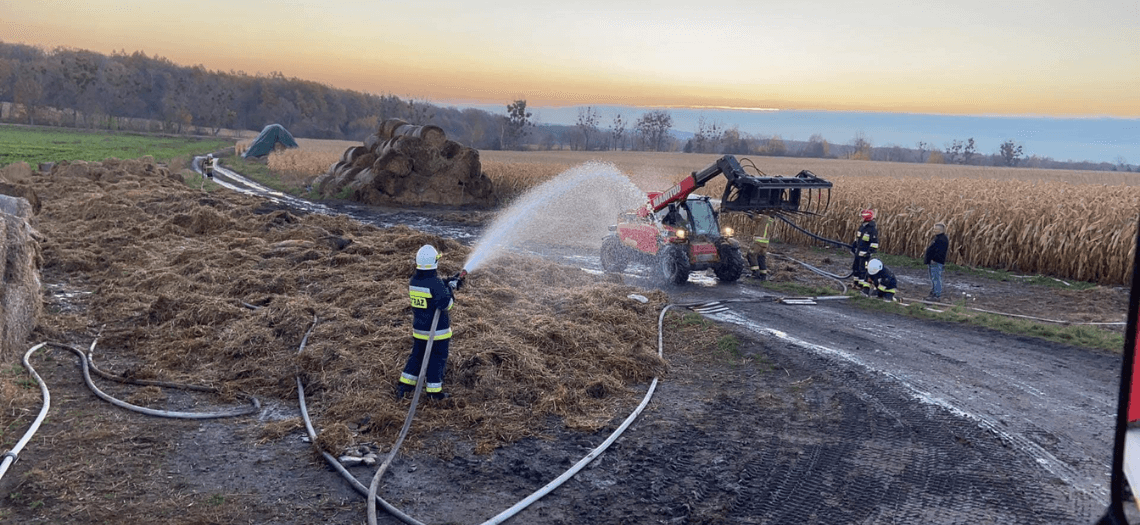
874, 266
209, 155
426, 258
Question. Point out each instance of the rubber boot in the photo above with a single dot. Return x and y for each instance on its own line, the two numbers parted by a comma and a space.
403, 389
438, 396
762, 262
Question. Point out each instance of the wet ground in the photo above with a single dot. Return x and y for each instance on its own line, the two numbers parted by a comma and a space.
823, 413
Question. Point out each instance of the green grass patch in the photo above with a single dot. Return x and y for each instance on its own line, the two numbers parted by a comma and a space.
36, 145
902, 261
1084, 336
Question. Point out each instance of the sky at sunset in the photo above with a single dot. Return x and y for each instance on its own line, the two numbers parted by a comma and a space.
968, 57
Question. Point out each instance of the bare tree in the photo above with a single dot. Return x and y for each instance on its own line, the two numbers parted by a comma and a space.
959, 152
817, 146
922, 149
654, 126
617, 132
708, 136
860, 146
587, 125
515, 125
1010, 152
29, 90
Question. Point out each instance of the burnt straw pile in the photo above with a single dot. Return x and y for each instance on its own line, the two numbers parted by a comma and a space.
219, 289
402, 164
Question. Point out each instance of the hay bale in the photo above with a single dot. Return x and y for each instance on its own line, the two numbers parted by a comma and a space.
433, 137
16, 173
439, 171
388, 128
20, 262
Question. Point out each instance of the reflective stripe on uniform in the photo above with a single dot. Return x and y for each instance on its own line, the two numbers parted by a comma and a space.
874, 246
887, 290
866, 237
419, 296
761, 240
754, 268
408, 379
426, 334
432, 388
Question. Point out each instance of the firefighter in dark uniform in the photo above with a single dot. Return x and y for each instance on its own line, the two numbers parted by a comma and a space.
866, 244
758, 251
428, 293
208, 165
886, 286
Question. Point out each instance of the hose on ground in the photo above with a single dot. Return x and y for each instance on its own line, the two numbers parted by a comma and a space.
538, 494
375, 486
818, 271
87, 365
11, 455
332, 461
253, 409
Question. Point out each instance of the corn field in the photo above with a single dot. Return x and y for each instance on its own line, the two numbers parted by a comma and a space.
1073, 231
1063, 223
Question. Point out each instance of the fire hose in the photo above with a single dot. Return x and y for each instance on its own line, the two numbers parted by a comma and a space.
371, 491
87, 364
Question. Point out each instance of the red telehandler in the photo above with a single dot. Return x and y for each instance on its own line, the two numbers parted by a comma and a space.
677, 232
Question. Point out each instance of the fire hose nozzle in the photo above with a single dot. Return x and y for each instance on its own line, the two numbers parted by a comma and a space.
456, 280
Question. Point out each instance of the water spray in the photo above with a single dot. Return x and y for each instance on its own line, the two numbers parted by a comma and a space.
577, 205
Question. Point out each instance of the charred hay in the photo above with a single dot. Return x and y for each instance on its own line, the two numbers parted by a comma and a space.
174, 272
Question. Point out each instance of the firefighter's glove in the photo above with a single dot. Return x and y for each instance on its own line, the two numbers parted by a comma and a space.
456, 282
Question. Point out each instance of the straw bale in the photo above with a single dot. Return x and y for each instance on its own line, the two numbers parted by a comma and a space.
388, 128
20, 263
433, 137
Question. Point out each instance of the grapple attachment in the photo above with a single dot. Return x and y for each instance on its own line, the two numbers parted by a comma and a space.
745, 193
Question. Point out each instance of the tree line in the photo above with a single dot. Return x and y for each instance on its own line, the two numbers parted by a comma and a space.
79, 88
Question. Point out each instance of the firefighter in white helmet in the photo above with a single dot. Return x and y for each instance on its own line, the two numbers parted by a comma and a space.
208, 165
883, 280
428, 294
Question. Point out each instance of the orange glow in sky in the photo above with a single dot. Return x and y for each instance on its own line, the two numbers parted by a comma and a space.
968, 57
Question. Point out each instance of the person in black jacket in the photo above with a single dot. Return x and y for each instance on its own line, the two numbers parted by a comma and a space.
935, 258
428, 294
866, 244
883, 279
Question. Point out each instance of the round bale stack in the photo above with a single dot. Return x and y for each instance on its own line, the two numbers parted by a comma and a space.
409, 165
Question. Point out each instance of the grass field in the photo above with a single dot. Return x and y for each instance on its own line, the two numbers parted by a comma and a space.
36, 145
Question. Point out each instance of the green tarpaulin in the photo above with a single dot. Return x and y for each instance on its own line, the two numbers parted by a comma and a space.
267, 139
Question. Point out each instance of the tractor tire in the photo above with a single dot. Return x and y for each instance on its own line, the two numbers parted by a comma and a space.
613, 256
673, 265
732, 263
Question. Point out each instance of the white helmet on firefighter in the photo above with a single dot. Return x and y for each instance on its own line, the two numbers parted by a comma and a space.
873, 266
426, 258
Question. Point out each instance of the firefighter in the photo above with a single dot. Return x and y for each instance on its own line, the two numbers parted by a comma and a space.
428, 293
208, 166
866, 244
886, 286
758, 251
